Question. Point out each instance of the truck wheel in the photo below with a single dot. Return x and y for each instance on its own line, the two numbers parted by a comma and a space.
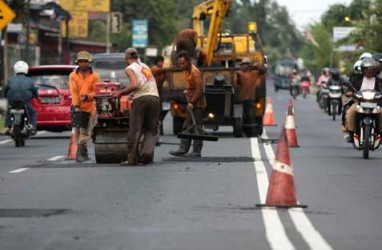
237, 127
177, 125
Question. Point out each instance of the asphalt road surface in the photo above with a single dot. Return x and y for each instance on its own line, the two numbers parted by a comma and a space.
47, 202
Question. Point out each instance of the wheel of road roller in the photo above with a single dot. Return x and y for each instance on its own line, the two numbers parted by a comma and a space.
110, 146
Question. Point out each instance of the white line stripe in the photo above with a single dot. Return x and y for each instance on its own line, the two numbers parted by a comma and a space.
302, 223
5, 141
274, 229
19, 170
311, 236
55, 158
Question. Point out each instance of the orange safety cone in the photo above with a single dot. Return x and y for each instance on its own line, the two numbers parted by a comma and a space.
72, 151
290, 127
269, 119
281, 191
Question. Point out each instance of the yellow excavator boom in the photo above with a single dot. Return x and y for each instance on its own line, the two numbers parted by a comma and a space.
217, 10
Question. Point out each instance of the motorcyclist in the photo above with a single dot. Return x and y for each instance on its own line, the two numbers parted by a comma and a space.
294, 81
368, 81
335, 80
324, 77
21, 88
354, 77
378, 58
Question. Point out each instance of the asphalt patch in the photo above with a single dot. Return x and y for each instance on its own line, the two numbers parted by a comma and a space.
30, 213
210, 159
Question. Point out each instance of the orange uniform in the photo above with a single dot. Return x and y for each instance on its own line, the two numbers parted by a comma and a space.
81, 86
247, 82
195, 88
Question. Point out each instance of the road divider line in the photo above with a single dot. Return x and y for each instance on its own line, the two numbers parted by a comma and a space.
5, 141
302, 223
19, 170
274, 229
56, 158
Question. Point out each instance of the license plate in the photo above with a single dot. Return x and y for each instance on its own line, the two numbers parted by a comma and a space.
369, 105
50, 100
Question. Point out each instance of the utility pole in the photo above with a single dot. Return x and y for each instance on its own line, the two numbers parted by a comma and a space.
27, 33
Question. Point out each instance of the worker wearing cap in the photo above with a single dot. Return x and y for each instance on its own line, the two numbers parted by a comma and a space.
248, 79
144, 115
82, 84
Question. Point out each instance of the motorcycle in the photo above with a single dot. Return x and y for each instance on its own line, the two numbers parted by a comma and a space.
305, 88
294, 89
21, 128
323, 97
334, 105
367, 112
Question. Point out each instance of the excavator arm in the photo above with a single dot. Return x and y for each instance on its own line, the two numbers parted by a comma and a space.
217, 10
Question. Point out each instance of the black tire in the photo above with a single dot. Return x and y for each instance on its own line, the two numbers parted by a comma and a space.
17, 136
366, 142
237, 127
177, 125
334, 111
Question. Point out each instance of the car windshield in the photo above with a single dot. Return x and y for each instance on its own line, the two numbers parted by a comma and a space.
111, 69
58, 81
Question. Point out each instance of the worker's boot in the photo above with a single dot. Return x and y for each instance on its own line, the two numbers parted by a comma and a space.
183, 148
196, 149
82, 153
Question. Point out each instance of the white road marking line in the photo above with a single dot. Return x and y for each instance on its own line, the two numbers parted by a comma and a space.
19, 170
302, 223
55, 158
5, 141
274, 229
311, 236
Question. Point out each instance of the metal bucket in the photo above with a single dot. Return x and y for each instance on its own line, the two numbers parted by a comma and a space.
80, 119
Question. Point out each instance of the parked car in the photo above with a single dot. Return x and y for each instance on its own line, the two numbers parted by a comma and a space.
53, 107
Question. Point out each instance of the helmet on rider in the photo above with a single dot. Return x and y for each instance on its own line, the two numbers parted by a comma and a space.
357, 65
325, 71
335, 74
368, 62
21, 67
365, 55
377, 57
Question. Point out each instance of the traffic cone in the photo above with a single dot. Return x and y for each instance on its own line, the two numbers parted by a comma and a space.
72, 151
269, 119
290, 127
281, 191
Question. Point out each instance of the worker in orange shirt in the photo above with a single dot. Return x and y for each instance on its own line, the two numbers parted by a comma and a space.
159, 73
247, 80
82, 84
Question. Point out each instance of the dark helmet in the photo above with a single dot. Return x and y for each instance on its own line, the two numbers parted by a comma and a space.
377, 57
335, 73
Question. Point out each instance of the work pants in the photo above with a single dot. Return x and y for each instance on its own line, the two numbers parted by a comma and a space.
83, 135
185, 144
143, 121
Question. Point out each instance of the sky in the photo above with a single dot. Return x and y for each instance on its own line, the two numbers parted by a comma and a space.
304, 12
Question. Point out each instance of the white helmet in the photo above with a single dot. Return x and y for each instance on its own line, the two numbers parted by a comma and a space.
357, 65
365, 55
21, 67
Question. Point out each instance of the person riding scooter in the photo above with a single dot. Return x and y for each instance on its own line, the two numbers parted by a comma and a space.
21, 88
368, 81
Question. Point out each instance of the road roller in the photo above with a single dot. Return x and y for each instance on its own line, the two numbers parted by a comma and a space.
111, 125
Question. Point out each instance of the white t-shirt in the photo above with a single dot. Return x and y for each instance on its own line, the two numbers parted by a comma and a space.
368, 83
146, 80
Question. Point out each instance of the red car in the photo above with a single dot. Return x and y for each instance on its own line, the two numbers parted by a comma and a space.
53, 107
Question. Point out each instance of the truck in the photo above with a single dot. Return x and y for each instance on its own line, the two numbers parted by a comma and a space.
283, 70
224, 52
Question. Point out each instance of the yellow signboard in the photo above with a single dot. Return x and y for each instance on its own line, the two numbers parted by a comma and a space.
78, 25
6, 15
86, 5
